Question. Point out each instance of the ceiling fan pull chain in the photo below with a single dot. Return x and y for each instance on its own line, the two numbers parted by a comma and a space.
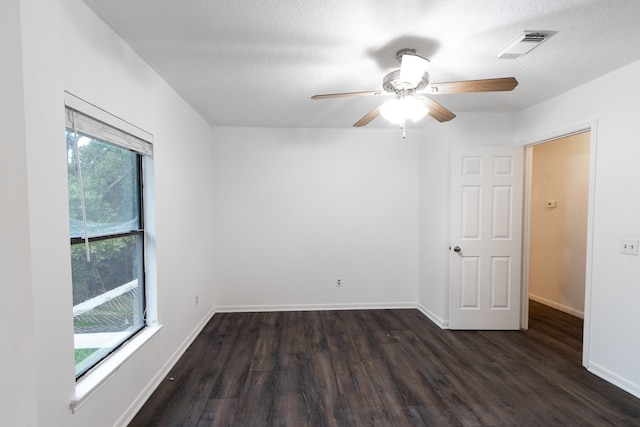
404, 129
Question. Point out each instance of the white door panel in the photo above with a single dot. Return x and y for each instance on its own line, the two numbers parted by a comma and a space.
486, 226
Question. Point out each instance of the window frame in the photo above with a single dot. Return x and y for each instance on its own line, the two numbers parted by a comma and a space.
143, 141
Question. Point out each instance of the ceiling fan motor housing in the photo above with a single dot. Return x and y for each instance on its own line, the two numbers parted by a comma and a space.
392, 83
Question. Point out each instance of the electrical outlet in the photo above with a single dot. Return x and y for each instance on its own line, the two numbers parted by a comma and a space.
629, 246
338, 282
197, 299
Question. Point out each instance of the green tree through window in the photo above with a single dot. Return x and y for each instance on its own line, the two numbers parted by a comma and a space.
108, 286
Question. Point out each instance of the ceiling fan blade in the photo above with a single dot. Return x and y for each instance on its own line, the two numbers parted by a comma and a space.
347, 94
437, 111
412, 69
486, 85
368, 117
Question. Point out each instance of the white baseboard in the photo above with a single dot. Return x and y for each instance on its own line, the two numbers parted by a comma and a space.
614, 379
148, 390
557, 306
443, 324
313, 307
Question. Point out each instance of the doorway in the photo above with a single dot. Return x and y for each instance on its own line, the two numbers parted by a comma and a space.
558, 211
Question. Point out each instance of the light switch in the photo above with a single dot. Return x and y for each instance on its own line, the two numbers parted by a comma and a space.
629, 246
551, 203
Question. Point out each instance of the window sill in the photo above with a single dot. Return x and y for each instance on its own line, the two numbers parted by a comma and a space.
95, 379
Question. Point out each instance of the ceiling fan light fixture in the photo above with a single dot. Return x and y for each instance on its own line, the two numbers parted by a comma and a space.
412, 69
402, 108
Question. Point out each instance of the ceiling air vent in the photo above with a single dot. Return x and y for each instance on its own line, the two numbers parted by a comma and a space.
524, 44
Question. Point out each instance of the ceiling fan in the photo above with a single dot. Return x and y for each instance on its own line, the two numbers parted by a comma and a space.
410, 84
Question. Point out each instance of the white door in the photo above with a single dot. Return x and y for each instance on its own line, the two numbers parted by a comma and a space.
486, 235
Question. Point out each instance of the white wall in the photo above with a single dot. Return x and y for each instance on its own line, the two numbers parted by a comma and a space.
613, 351
297, 208
558, 234
17, 346
435, 176
66, 47
48, 216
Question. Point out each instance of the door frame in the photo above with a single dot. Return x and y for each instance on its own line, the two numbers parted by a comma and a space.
591, 126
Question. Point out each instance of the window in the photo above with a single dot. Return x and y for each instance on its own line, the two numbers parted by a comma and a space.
106, 225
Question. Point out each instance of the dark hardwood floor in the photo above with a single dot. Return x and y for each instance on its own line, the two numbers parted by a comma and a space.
384, 368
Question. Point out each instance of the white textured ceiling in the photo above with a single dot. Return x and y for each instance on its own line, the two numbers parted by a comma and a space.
257, 62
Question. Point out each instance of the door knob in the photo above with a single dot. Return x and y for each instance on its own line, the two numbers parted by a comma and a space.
457, 249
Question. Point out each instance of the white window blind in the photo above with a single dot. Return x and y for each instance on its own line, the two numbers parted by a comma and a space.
105, 127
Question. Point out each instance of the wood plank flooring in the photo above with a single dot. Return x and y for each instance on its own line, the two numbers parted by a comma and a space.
384, 368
